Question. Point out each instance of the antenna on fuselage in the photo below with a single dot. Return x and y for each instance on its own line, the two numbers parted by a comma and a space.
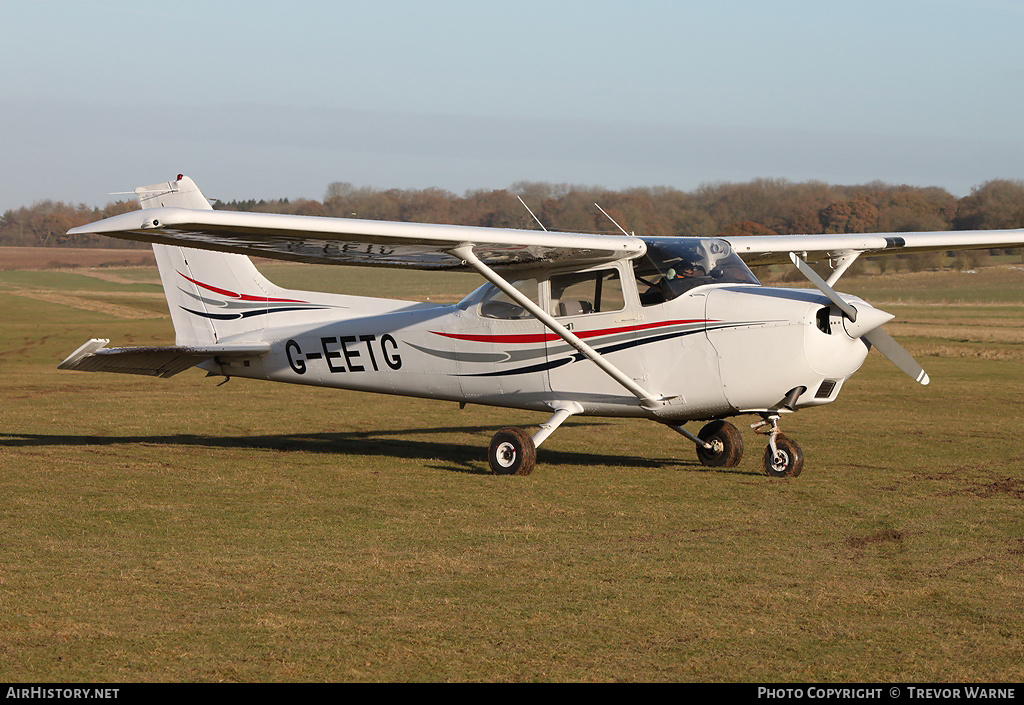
531, 213
613, 220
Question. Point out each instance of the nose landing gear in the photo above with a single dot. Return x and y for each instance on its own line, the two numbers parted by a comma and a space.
783, 457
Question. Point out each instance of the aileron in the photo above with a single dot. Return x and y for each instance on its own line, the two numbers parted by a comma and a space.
775, 249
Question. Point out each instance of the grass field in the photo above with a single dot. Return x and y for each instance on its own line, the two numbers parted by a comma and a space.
176, 530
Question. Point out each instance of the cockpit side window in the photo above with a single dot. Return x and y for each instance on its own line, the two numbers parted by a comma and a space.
673, 266
496, 304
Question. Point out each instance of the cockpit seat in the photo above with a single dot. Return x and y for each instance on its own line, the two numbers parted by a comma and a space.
573, 307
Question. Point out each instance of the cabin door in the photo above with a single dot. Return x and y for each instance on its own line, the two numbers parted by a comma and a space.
601, 308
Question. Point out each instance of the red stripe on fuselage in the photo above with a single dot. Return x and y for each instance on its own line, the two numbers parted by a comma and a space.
548, 337
241, 297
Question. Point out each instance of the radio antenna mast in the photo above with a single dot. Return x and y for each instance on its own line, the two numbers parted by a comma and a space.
613, 220
531, 213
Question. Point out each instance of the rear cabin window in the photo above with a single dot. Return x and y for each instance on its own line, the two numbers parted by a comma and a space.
587, 292
496, 304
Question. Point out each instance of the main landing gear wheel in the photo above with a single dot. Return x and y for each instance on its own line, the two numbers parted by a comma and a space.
786, 460
512, 452
726, 445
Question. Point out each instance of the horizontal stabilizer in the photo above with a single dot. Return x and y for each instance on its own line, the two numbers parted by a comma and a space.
156, 361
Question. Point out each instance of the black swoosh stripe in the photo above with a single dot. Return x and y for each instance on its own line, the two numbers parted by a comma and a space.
578, 356
249, 314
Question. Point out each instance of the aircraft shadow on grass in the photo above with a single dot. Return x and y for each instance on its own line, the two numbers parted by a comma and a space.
449, 455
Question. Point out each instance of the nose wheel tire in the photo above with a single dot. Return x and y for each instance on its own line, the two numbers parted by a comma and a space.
512, 452
726, 445
786, 460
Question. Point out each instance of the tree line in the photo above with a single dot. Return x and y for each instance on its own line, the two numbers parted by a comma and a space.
759, 207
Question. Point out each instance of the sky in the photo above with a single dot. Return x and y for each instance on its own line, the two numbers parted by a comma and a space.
280, 99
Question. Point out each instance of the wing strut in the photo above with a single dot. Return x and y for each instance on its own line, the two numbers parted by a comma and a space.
647, 400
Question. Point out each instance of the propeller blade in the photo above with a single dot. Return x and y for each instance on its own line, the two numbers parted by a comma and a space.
886, 345
875, 335
828, 291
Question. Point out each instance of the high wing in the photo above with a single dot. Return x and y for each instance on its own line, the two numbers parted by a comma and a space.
176, 213
343, 240
775, 249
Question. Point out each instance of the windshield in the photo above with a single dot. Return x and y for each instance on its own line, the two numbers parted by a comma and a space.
674, 265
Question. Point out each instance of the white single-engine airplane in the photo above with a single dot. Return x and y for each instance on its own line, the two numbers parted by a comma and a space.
667, 329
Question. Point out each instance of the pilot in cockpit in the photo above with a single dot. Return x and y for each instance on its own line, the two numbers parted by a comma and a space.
680, 278
674, 266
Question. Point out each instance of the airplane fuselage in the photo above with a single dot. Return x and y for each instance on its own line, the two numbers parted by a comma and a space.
715, 351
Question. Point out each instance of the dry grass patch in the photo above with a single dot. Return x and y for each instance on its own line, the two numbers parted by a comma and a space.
86, 301
72, 257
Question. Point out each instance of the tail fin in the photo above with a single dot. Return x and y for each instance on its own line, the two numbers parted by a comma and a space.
212, 296
182, 193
